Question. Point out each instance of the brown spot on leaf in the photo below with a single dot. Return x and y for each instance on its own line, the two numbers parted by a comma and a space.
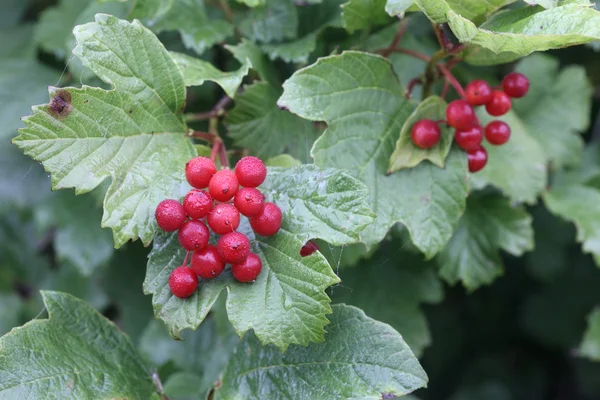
60, 104
85, 102
386, 396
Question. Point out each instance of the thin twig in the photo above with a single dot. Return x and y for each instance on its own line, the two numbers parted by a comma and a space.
412, 53
452, 81
207, 136
217, 111
397, 38
227, 10
215, 150
223, 155
185, 260
411, 85
445, 89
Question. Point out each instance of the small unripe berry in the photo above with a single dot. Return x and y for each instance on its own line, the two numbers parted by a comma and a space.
460, 115
515, 85
169, 215
497, 132
224, 218
478, 92
309, 248
248, 270
425, 133
477, 159
469, 140
224, 185
193, 235
249, 201
183, 282
207, 263
233, 247
499, 104
250, 171
268, 221
199, 171
197, 203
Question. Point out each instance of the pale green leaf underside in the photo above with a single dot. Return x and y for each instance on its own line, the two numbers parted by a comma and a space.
74, 354
590, 345
489, 225
360, 359
360, 98
133, 134
286, 305
407, 154
325, 204
397, 7
196, 72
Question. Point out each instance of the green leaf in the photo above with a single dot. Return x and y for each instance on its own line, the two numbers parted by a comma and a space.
397, 7
10, 307
364, 106
283, 160
150, 8
543, 3
286, 305
258, 124
319, 203
490, 224
260, 63
407, 154
590, 345
360, 359
556, 109
196, 72
133, 134
56, 24
252, 3
296, 51
75, 353
361, 14
519, 32
275, 21
18, 42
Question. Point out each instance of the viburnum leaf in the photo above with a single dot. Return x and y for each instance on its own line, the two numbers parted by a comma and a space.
361, 14
283, 160
75, 353
359, 97
275, 21
252, 3
133, 134
590, 345
399, 280
360, 359
398, 7
152, 9
196, 72
10, 307
407, 154
56, 24
518, 32
258, 124
489, 225
260, 62
294, 51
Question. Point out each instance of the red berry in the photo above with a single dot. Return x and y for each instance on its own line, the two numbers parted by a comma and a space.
499, 104
197, 203
193, 235
224, 185
425, 133
169, 215
199, 170
249, 201
207, 263
478, 92
224, 218
233, 247
460, 115
183, 282
250, 171
477, 159
309, 248
497, 132
268, 221
515, 85
248, 270
469, 140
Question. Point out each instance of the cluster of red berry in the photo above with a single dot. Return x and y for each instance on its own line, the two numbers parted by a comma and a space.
216, 208
460, 115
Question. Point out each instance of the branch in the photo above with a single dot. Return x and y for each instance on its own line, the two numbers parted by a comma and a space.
217, 111
386, 52
452, 81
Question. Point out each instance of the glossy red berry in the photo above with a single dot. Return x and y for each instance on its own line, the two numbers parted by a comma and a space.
248, 270
224, 218
250, 171
183, 282
224, 185
460, 115
469, 140
207, 263
197, 203
233, 247
193, 235
478, 92
497, 132
169, 215
499, 104
477, 159
268, 221
425, 133
199, 171
249, 201
309, 248
515, 85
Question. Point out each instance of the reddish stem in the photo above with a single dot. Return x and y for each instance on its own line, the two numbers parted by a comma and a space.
397, 38
412, 53
215, 150
207, 136
186, 258
223, 155
452, 81
445, 89
411, 85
